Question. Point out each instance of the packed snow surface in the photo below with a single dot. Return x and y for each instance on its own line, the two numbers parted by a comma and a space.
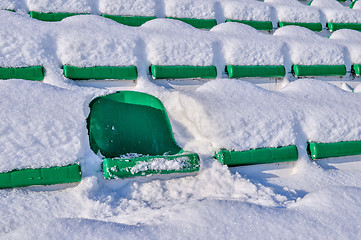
44, 124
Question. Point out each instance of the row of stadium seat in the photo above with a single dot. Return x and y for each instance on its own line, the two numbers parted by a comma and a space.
292, 13
37, 73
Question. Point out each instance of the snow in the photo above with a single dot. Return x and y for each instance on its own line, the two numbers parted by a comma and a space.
20, 45
129, 7
246, 10
240, 46
357, 6
73, 6
203, 9
42, 127
308, 48
44, 124
173, 42
295, 11
116, 49
335, 12
158, 164
351, 39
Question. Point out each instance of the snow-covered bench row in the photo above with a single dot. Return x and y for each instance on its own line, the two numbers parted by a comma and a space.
266, 15
84, 41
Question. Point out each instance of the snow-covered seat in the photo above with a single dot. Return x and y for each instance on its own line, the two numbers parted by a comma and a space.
48, 10
253, 13
352, 40
296, 13
245, 57
22, 54
311, 54
338, 16
128, 12
199, 14
91, 53
178, 50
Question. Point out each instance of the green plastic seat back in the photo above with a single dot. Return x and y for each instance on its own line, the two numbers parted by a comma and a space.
130, 122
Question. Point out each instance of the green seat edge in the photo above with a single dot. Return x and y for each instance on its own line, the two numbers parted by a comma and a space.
53, 16
101, 72
135, 98
336, 26
134, 21
352, 4
317, 27
338, 149
183, 71
41, 176
197, 23
237, 71
34, 73
257, 156
122, 168
356, 69
318, 70
259, 25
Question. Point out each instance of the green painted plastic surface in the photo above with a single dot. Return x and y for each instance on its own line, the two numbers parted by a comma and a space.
130, 122
257, 156
319, 70
198, 23
123, 168
35, 73
338, 149
352, 4
173, 72
356, 68
52, 17
100, 72
337, 26
259, 25
40, 176
235, 71
134, 21
317, 27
